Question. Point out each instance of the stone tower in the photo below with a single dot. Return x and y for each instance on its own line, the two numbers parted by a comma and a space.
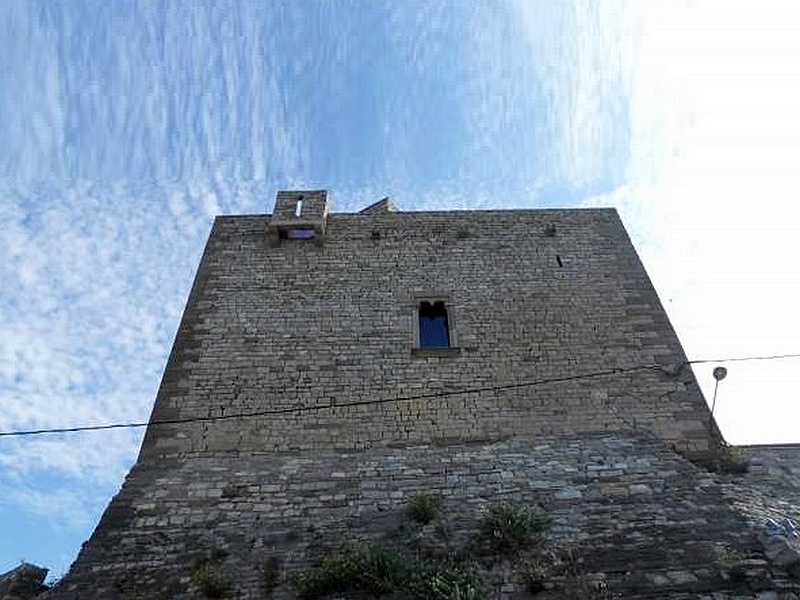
330, 367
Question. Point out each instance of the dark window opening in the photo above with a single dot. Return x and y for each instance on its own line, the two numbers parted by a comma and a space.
558, 259
434, 331
297, 234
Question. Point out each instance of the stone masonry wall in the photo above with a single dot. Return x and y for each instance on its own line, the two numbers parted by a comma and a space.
295, 409
634, 517
769, 497
270, 328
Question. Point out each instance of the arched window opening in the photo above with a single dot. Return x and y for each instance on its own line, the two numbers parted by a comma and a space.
434, 331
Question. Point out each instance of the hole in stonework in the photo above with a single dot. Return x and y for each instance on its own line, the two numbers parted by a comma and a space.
298, 208
558, 260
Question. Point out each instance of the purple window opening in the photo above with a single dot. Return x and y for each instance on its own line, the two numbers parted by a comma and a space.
299, 234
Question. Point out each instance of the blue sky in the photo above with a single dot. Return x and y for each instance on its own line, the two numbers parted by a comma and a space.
126, 127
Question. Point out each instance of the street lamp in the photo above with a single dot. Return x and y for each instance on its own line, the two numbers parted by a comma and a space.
719, 374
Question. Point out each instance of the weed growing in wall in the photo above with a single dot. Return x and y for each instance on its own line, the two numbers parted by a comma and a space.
209, 578
725, 459
424, 507
730, 562
535, 573
443, 581
733, 459
374, 570
507, 529
413, 568
381, 571
270, 573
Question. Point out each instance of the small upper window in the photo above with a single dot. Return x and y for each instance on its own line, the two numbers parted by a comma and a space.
434, 329
297, 234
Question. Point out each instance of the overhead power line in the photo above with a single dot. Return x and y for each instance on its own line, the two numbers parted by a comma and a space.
427, 395
742, 358
318, 407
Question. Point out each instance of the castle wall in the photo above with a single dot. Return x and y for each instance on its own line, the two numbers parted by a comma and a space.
295, 331
297, 408
631, 514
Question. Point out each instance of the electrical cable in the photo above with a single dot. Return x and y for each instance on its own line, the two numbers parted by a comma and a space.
301, 409
428, 395
742, 359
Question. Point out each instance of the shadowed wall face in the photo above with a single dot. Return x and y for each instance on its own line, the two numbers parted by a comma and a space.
389, 327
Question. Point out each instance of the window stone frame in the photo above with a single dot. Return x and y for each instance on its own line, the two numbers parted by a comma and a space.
424, 351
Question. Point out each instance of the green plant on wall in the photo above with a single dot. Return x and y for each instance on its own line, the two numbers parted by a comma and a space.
371, 569
424, 507
507, 529
725, 459
730, 562
446, 582
733, 459
380, 571
402, 569
209, 578
535, 573
270, 574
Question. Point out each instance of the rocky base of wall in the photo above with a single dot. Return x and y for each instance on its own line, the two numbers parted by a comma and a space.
628, 518
24, 582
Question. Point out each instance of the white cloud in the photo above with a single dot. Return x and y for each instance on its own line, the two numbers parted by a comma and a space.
582, 54
96, 291
693, 103
711, 193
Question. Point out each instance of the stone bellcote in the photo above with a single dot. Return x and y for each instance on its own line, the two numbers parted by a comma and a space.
299, 215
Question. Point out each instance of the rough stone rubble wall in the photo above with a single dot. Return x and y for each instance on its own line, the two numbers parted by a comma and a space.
636, 516
769, 497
